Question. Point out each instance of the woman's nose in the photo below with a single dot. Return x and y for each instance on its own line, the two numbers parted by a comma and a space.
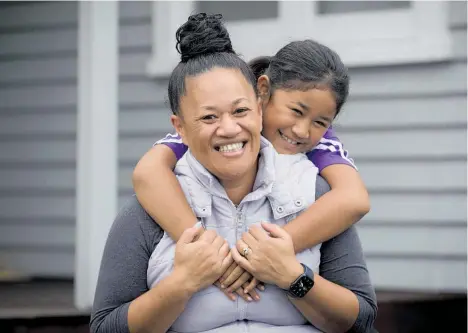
229, 127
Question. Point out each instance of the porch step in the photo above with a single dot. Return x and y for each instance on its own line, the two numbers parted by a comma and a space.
46, 306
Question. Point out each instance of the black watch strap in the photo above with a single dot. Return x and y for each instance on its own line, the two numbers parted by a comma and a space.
302, 285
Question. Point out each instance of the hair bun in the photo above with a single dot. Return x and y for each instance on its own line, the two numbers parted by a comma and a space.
202, 34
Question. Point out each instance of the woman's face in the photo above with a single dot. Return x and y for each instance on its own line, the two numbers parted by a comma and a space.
220, 121
294, 121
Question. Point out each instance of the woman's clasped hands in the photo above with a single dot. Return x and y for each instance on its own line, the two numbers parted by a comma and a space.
203, 258
263, 253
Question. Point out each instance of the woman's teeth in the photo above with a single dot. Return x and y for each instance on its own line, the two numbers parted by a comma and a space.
288, 139
231, 147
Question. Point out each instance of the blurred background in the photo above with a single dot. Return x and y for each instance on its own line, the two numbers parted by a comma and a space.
404, 125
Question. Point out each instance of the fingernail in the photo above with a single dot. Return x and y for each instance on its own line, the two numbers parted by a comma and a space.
257, 297
223, 286
246, 291
262, 288
249, 299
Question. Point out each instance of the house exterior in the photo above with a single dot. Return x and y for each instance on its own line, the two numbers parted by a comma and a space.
404, 125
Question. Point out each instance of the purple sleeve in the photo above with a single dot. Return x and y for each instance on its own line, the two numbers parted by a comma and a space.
329, 151
174, 141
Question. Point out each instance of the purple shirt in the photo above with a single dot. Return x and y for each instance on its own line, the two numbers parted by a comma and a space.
329, 150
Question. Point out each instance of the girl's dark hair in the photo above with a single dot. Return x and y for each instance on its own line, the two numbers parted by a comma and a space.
303, 65
203, 43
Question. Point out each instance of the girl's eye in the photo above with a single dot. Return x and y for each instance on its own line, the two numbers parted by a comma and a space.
321, 123
298, 112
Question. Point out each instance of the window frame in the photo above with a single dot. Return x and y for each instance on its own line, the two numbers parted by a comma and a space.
422, 35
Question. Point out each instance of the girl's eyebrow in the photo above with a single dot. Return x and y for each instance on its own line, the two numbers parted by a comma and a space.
306, 108
302, 105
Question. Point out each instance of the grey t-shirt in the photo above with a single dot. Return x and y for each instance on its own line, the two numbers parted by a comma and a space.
134, 235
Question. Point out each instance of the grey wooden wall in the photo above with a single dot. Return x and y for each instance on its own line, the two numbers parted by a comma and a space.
38, 73
406, 128
404, 125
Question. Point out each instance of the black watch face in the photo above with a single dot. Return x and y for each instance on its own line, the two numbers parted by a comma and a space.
301, 287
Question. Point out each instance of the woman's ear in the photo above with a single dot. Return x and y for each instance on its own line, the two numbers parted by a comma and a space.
264, 88
177, 123
260, 112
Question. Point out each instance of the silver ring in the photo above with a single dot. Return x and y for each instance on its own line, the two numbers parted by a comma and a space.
246, 251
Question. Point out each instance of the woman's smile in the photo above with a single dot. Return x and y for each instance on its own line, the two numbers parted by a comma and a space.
234, 149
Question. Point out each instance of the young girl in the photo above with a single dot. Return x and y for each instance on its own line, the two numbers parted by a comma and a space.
302, 89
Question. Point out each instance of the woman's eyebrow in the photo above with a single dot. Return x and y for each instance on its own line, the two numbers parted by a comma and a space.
238, 100
214, 108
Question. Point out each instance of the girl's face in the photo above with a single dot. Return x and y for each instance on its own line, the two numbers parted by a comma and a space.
294, 121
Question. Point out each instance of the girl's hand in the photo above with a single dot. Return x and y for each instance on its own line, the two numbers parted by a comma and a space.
269, 256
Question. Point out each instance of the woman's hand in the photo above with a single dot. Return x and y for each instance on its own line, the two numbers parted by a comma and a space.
269, 256
201, 257
236, 279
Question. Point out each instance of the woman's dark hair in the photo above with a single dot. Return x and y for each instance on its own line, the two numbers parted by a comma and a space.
203, 43
303, 65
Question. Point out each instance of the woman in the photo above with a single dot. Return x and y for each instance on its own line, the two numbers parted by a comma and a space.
303, 88
232, 178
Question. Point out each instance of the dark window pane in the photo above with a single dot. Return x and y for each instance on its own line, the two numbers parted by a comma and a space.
338, 7
239, 10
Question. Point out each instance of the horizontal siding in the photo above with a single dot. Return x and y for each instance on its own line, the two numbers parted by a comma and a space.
400, 112
51, 209
132, 122
21, 18
418, 208
53, 235
409, 176
410, 146
457, 15
424, 241
38, 61
418, 274
43, 262
406, 143
459, 43
38, 84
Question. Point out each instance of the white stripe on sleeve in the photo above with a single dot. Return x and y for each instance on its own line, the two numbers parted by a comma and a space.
170, 138
335, 146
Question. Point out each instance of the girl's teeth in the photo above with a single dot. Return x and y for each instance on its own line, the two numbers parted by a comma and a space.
288, 139
231, 148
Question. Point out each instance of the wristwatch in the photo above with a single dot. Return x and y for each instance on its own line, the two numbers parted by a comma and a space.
301, 286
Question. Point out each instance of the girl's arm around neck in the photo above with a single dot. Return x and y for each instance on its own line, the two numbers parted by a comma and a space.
333, 212
159, 192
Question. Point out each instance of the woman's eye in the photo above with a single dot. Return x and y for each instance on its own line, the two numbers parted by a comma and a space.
241, 110
298, 112
209, 117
